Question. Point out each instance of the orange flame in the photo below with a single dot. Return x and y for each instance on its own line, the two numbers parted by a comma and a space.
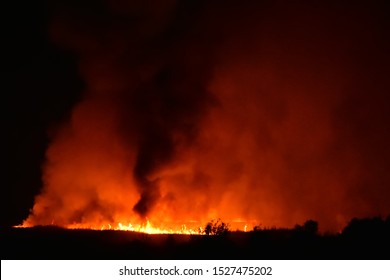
149, 228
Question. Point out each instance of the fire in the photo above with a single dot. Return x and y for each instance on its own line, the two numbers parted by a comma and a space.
147, 227
219, 121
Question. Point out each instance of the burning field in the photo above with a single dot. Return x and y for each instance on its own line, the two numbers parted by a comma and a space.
258, 113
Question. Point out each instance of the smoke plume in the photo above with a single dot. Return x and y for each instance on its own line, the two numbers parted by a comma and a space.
260, 111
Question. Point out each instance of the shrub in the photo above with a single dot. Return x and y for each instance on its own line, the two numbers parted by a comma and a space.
216, 228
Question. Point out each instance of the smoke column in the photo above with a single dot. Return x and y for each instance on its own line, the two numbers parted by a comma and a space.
194, 110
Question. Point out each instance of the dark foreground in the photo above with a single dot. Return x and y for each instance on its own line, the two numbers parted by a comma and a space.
359, 241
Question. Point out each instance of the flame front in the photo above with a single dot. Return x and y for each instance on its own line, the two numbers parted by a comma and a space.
194, 229
145, 228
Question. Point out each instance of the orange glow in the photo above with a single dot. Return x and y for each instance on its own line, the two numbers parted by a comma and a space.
149, 228
243, 117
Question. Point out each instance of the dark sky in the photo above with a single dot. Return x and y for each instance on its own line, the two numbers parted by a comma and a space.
43, 85
290, 100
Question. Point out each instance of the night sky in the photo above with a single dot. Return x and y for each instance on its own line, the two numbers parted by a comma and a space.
43, 86
264, 110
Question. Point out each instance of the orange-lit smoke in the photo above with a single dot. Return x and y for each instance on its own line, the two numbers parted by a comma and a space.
193, 112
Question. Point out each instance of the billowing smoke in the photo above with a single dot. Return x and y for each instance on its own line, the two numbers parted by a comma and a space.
257, 111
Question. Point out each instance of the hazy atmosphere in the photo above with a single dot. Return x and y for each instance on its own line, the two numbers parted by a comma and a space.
178, 112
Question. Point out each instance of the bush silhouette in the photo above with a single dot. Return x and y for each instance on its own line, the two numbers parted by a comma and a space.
364, 228
310, 227
216, 228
